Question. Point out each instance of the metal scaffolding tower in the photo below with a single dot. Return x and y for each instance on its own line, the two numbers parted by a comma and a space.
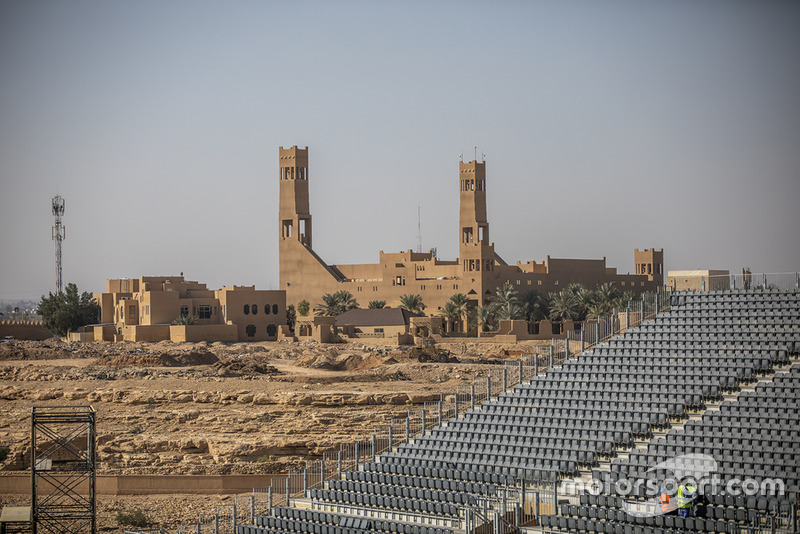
58, 233
63, 470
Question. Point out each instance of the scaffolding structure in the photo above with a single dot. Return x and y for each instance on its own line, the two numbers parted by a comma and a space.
63, 470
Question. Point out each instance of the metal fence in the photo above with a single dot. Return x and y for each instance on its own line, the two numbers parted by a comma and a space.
743, 281
242, 510
510, 507
516, 505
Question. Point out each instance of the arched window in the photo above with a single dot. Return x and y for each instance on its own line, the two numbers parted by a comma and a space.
266, 309
254, 307
275, 309
247, 309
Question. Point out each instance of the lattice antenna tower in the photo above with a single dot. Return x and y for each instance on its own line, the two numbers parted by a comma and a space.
58, 233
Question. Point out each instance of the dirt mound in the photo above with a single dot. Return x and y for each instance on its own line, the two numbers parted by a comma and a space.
347, 361
163, 359
244, 367
359, 362
31, 350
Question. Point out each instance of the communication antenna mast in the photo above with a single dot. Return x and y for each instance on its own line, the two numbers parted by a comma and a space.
58, 233
419, 230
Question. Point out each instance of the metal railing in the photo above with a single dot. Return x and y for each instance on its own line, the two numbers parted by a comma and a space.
735, 282
516, 505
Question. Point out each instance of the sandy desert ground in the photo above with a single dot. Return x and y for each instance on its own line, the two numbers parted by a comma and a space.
198, 408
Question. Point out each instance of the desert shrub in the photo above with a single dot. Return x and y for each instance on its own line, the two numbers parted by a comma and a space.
134, 518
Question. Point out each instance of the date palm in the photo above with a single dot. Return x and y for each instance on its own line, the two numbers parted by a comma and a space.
534, 306
483, 317
460, 301
451, 314
336, 303
506, 303
412, 303
376, 304
565, 305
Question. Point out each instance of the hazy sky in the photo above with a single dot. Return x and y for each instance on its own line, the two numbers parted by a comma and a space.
606, 125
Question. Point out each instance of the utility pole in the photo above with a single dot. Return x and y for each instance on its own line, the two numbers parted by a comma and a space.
58, 233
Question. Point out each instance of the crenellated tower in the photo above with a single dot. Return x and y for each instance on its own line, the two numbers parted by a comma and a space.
476, 251
294, 213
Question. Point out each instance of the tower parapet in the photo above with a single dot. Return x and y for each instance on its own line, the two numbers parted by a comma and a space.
650, 262
474, 225
294, 212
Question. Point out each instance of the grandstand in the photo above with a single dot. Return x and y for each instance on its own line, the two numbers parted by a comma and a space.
711, 386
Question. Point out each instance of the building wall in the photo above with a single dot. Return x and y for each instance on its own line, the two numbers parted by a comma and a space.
696, 280
257, 314
477, 272
29, 330
156, 332
211, 332
148, 313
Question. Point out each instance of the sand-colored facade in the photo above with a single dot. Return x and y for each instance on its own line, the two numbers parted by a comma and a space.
143, 309
699, 280
477, 272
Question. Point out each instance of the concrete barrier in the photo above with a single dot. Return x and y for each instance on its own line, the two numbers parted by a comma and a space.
149, 484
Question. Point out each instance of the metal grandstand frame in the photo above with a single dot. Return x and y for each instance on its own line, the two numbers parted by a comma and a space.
63, 469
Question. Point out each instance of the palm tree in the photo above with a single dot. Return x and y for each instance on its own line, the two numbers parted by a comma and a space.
336, 303
483, 316
329, 306
412, 303
376, 304
565, 305
597, 310
451, 314
534, 306
347, 300
460, 300
624, 298
606, 294
506, 303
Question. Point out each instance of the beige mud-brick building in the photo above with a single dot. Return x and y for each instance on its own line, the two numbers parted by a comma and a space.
698, 280
477, 272
143, 309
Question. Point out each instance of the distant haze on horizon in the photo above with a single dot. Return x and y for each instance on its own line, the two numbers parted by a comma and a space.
607, 126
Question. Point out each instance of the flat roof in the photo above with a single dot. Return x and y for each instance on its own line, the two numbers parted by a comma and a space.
15, 514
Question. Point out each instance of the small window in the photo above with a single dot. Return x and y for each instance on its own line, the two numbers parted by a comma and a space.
247, 309
378, 331
266, 309
254, 307
250, 330
275, 309
204, 312
132, 310
185, 311
272, 330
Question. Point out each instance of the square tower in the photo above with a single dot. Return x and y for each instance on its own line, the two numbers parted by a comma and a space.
650, 262
294, 213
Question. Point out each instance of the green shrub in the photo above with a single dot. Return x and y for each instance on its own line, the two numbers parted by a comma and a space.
135, 518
